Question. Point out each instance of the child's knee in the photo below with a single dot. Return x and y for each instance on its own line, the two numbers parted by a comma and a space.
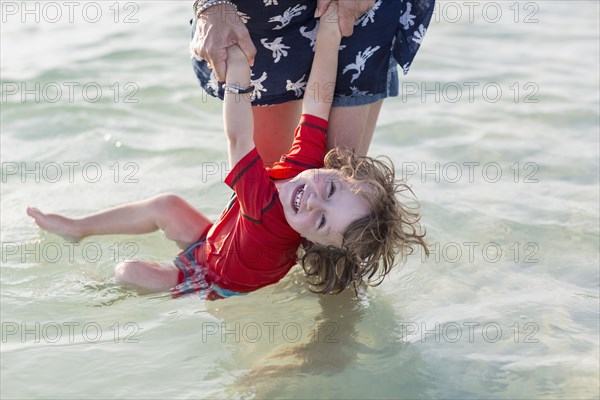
120, 272
168, 201
127, 272
146, 277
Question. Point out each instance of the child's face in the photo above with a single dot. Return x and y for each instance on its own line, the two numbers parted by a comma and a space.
320, 206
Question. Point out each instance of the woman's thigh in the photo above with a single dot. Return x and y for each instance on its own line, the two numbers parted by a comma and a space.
274, 128
349, 127
353, 127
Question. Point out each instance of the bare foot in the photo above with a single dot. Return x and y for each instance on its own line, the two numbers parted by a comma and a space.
65, 227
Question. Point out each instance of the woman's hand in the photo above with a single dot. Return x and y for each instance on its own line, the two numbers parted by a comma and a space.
218, 28
349, 11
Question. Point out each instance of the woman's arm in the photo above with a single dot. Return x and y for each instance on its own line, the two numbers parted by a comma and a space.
321, 83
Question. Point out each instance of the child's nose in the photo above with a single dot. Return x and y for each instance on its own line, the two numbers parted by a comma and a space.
313, 202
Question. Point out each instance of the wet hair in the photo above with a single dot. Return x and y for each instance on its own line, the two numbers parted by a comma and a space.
370, 244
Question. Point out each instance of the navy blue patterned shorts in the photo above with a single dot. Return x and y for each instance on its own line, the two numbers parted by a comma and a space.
283, 32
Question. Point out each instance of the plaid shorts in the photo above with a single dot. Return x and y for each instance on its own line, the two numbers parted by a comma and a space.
284, 32
192, 278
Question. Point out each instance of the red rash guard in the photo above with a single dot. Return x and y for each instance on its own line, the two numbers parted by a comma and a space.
251, 245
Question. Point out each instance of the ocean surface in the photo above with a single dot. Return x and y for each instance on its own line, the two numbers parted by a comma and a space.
497, 131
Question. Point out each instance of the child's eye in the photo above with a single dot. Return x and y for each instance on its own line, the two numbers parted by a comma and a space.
322, 222
331, 190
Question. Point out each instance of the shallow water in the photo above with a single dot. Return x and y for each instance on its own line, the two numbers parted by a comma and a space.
505, 307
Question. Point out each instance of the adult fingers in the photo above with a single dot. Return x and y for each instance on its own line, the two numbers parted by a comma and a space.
247, 46
321, 7
219, 64
347, 20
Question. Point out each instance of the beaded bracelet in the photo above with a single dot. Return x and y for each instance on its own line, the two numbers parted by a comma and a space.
202, 5
235, 89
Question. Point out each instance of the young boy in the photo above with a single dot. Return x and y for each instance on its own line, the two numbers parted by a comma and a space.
345, 216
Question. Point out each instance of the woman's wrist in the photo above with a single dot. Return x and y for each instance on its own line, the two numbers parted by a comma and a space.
200, 6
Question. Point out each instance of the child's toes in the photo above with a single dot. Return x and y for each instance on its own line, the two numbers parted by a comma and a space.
34, 212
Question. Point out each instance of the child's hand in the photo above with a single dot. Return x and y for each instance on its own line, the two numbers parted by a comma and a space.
349, 11
235, 55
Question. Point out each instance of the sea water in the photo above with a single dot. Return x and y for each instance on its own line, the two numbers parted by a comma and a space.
496, 130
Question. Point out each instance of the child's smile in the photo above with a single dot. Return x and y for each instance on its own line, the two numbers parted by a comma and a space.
297, 199
320, 206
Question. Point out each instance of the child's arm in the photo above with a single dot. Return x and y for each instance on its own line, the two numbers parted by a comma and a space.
321, 83
237, 110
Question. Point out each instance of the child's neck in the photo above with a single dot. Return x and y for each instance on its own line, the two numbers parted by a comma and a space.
280, 182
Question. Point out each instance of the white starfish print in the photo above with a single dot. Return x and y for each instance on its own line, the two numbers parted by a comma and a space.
287, 16
277, 47
369, 16
359, 64
406, 19
420, 34
310, 35
258, 86
271, 2
356, 92
298, 87
244, 17
405, 68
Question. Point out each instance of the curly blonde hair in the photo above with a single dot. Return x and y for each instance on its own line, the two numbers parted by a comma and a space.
370, 244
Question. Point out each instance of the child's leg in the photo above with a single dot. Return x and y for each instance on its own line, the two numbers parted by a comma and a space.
147, 276
170, 213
